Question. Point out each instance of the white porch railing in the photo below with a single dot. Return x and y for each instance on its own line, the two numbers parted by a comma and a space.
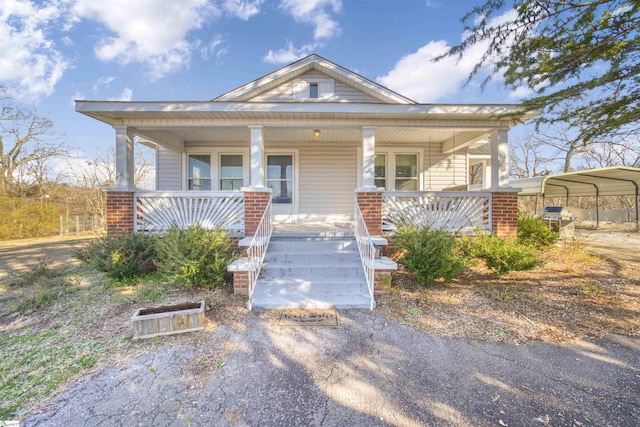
258, 249
458, 211
157, 211
367, 250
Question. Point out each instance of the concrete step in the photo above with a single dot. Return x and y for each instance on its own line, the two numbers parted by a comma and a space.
288, 245
311, 272
277, 294
304, 258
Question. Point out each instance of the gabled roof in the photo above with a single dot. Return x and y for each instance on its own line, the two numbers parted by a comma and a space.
318, 63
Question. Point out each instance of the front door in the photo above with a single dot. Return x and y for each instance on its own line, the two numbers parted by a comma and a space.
281, 180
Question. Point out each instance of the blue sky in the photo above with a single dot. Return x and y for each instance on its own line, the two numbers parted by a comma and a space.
145, 50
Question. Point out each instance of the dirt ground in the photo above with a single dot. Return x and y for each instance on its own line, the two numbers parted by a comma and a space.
18, 255
589, 286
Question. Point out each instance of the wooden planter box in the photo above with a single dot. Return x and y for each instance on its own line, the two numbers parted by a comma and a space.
168, 320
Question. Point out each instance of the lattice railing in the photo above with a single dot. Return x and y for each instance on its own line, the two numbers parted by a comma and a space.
457, 211
158, 211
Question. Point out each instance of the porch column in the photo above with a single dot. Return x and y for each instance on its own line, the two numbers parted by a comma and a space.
499, 144
368, 157
257, 157
120, 204
124, 158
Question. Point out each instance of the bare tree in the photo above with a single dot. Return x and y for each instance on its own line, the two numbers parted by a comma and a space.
527, 159
100, 172
26, 140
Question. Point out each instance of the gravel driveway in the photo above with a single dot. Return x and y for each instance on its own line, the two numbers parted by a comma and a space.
368, 372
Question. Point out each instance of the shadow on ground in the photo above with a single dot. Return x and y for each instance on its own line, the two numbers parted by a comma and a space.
368, 372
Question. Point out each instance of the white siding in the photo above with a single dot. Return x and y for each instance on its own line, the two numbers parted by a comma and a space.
343, 92
169, 170
441, 168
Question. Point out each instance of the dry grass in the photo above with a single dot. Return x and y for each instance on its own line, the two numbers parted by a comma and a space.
574, 294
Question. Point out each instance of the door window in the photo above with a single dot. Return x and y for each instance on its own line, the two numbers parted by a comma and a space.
280, 177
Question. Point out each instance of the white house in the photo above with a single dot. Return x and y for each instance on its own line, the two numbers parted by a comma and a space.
315, 134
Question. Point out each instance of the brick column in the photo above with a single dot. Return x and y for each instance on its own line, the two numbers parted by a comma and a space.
370, 203
255, 202
119, 212
504, 214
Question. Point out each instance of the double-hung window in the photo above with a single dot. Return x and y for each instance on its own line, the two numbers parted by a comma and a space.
231, 172
406, 174
199, 177
380, 171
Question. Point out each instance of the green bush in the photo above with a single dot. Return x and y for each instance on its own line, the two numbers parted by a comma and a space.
504, 255
533, 231
122, 256
194, 256
430, 254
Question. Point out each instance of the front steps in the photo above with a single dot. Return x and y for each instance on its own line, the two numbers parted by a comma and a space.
311, 272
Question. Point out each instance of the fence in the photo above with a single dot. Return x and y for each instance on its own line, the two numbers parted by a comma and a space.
76, 224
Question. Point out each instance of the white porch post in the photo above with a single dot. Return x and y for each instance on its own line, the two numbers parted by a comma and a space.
499, 158
368, 157
124, 158
257, 157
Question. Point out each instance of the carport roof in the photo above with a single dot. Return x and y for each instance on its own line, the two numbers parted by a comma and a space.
612, 181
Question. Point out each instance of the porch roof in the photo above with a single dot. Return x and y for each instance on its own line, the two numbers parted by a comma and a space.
117, 112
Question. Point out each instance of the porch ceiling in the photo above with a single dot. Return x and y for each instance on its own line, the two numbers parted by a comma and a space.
384, 135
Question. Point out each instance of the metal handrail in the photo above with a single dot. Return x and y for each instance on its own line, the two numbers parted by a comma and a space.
258, 249
367, 250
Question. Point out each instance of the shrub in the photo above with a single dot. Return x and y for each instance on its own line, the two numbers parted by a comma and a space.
504, 255
194, 256
24, 218
533, 231
430, 254
122, 256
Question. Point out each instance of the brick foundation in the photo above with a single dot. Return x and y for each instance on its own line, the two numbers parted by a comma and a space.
255, 202
382, 282
119, 212
241, 282
504, 214
371, 207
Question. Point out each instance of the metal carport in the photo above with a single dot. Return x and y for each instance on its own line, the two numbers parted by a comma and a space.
612, 181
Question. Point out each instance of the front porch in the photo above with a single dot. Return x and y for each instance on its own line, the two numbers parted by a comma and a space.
301, 275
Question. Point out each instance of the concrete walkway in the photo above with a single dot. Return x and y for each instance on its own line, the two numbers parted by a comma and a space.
368, 372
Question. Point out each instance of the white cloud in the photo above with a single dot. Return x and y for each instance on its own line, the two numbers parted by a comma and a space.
102, 82
213, 48
150, 32
418, 77
288, 54
315, 12
30, 65
126, 95
243, 9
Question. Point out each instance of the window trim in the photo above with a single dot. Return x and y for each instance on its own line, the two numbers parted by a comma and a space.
215, 153
187, 174
390, 153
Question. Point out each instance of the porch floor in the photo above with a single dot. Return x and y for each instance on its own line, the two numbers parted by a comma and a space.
328, 228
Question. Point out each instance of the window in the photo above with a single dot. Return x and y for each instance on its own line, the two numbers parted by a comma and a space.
380, 171
313, 90
199, 172
231, 172
406, 175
